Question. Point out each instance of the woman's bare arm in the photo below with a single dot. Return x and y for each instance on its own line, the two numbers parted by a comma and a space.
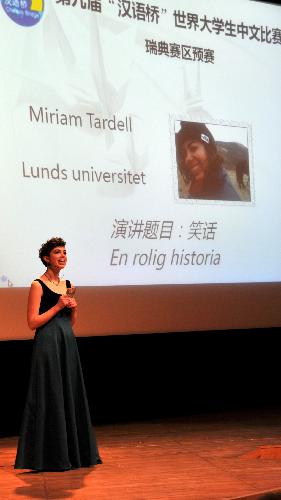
72, 304
34, 319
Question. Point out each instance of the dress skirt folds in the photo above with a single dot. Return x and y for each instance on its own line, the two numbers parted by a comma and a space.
56, 432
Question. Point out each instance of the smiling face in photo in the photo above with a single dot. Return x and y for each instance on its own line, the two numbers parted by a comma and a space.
195, 161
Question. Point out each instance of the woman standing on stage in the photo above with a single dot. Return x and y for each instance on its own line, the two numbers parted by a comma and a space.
56, 432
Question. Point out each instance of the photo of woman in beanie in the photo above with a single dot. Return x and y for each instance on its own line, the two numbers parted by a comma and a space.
200, 164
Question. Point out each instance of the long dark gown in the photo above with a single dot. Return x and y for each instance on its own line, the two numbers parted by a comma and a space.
56, 432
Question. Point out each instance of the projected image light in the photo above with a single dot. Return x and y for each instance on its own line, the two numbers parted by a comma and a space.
24, 12
212, 167
5, 282
147, 138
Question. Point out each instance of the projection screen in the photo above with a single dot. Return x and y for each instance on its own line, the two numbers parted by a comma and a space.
101, 104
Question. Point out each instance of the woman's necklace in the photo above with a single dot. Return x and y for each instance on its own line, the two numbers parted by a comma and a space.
51, 281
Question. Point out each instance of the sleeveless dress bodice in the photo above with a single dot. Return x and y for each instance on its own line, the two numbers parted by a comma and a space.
49, 298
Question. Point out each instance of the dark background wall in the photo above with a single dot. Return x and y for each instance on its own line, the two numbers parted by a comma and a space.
275, 2
137, 377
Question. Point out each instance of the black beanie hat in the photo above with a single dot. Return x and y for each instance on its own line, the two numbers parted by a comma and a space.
194, 131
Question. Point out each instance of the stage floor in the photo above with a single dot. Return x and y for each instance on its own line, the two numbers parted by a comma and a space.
197, 458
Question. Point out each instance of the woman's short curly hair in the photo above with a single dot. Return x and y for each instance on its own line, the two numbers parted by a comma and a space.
45, 249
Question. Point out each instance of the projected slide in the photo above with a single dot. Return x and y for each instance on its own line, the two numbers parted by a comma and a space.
146, 134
